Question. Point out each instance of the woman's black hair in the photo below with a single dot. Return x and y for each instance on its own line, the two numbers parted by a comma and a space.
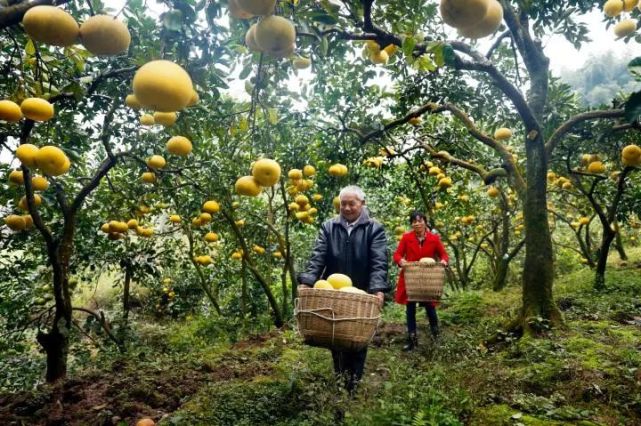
416, 214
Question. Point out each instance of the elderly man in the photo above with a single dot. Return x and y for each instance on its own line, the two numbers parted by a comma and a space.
355, 245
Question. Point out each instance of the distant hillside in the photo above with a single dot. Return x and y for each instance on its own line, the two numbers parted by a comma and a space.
602, 78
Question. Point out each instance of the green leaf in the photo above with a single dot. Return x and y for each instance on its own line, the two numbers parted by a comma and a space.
29, 48
408, 46
634, 66
245, 72
633, 107
272, 116
324, 46
173, 20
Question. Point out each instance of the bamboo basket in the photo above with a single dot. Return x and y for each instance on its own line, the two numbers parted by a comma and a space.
335, 319
423, 282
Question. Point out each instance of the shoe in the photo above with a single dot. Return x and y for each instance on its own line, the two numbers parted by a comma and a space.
412, 343
435, 331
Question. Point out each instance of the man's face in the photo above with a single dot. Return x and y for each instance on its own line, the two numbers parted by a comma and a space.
351, 207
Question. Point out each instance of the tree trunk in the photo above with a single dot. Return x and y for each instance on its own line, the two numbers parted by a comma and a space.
604, 250
618, 243
500, 277
125, 293
56, 341
538, 272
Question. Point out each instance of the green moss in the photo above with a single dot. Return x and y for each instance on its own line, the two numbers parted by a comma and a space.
502, 414
589, 353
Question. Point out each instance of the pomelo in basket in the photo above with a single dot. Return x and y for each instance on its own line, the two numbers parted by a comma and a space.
323, 285
339, 281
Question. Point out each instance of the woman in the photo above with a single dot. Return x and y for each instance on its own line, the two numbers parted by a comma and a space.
414, 245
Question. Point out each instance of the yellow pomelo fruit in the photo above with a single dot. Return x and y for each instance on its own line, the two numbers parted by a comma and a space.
51, 25
211, 237
236, 255
266, 172
486, 26
132, 102
338, 170
15, 222
317, 197
596, 167
286, 52
148, 177
339, 281
380, 57
613, 8
302, 215
167, 119
104, 35
352, 290
493, 192
237, 12
258, 249
147, 120
309, 170
132, 224
434, 171
623, 28
301, 200
179, 145
323, 285
10, 111
163, 86
52, 160
257, 7
156, 162
28, 221
293, 207
37, 200
631, 156
16, 177
211, 206
37, 109
584, 220
463, 13
427, 260
174, 218
240, 223
27, 153
204, 218
205, 260
117, 226
295, 174
247, 185
250, 39
301, 63
628, 5
39, 183
390, 49
275, 35
277, 254
445, 182
502, 134
194, 99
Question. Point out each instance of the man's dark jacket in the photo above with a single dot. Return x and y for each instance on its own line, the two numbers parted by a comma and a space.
361, 255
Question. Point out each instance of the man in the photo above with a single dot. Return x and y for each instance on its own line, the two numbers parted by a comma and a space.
355, 245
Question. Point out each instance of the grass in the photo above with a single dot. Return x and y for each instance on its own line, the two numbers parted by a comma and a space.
203, 371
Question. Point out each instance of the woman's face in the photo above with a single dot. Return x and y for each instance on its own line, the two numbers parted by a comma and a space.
418, 225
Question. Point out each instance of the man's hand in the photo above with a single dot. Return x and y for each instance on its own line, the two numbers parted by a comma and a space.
381, 297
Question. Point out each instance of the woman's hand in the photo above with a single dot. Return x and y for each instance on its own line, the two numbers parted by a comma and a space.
444, 263
402, 263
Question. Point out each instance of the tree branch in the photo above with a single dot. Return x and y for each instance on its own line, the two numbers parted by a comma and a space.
573, 121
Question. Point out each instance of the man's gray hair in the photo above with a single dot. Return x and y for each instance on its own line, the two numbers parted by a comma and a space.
352, 189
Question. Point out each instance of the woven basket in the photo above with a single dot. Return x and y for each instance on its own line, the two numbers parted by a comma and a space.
335, 319
423, 282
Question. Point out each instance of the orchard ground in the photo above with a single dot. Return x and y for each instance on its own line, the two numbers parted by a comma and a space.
207, 371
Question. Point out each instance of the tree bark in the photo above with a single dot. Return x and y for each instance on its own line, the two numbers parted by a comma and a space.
604, 250
618, 243
538, 271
